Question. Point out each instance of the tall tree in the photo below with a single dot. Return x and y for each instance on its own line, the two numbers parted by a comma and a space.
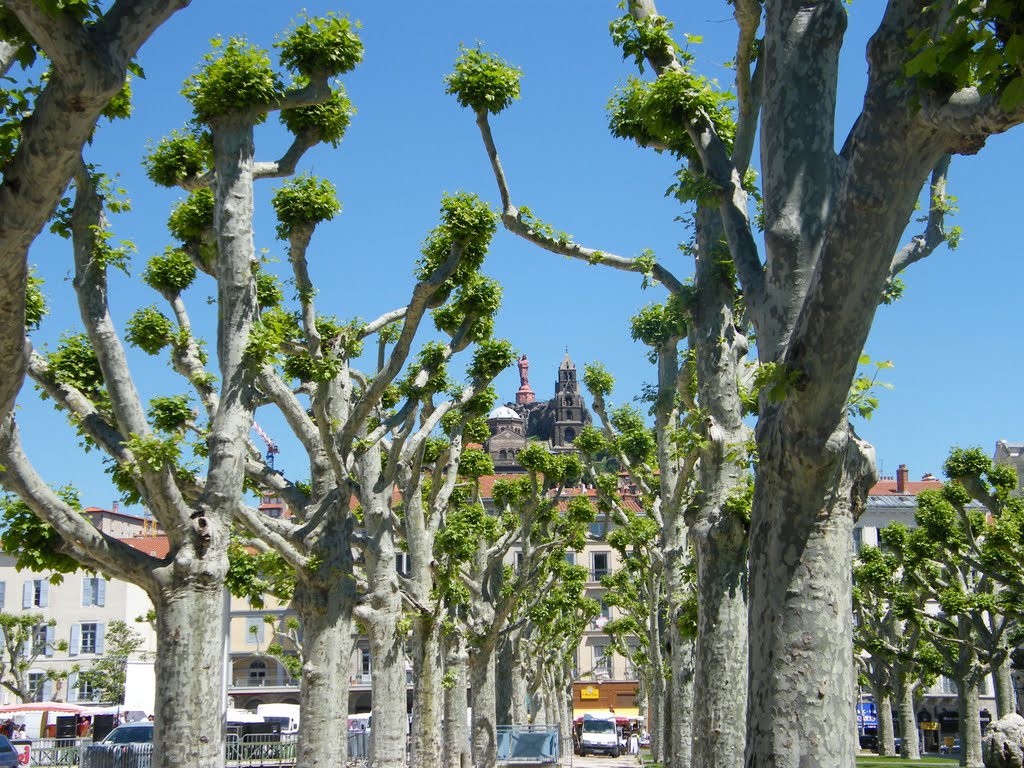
26, 637
88, 57
107, 675
89, 376
833, 223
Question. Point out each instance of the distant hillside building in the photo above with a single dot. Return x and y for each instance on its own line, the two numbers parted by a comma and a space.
555, 422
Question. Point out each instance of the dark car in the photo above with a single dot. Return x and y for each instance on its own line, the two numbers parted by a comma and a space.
8, 754
127, 746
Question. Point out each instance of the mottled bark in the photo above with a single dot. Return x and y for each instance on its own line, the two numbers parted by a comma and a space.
910, 746
970, 720
482, 684
801, 640
886, 734
190, 653
324, 601
718, 532
1006, 699
427, 697
456, 704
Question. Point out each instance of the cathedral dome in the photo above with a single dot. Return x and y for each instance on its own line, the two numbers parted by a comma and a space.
504, 412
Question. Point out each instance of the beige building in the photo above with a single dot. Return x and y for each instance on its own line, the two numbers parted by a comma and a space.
82, 605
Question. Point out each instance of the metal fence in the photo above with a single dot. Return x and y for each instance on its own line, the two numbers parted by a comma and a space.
53, 751
117, 756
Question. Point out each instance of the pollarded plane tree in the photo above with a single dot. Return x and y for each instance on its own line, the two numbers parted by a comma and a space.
941, 79
706, 314
84, 58
653, 541
892, 648
488, 596
89, 377
964, 558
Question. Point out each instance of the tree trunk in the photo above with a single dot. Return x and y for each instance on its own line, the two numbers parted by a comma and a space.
456, 705
718, 533
190, 656
1006, 703
482, 684
658, 692
801, 634
910, 749
506, 667
970, 721
677, 726
326, 616
426, 695
886, 735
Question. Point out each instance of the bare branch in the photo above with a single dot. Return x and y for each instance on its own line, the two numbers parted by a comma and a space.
934, 234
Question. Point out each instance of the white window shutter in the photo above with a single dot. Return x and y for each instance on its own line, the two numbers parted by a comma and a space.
49, 640
44, 593
27, 593
86, 591
73, 687
3, 594
76, 640
48, 690
101, 591
99, 639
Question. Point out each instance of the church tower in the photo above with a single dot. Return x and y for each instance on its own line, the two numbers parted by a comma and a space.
569, 408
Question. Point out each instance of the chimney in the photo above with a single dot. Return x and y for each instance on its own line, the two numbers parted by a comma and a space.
115, 507
902, 474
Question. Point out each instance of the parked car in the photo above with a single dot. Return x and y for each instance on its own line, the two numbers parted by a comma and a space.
8, 754
127, 746
951, 749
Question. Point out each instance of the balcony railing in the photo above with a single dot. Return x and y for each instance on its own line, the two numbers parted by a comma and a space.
269, 681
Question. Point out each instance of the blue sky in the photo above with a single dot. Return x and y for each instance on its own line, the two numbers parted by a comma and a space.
951, 338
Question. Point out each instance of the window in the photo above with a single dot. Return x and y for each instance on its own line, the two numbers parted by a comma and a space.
254, 630
36, 684
3, 594
602, 661
35, 594
597, 528
86, 692
39, 634
858, 539
519, 562
570, 558
599, 560
365, 664
603, 617
94, 592
947, 686
257, 672
86, 638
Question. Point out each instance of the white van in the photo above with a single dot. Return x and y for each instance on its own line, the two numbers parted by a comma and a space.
285, 714
599, 735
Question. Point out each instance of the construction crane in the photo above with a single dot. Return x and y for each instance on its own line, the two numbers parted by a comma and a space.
272, 449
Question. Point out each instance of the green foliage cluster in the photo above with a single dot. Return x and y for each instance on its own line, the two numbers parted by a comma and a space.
74, 363
642, 38
170, 414
657, 113
150, 330
170, 273
182, 155
35, 545
254, 575
476, 300
326, 45
327, 120
598, 380
466, 222
657, 324
863, 398
304, 201
35, 302
108, 673
268, 291
192, 218
483, 82
983, 47
236, 78
491, 357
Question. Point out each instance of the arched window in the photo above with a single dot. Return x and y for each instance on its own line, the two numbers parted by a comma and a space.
502, 455
568, 400
570, 434
257, 672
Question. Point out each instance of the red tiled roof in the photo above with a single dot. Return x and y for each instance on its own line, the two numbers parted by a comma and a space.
155, 546
887, 487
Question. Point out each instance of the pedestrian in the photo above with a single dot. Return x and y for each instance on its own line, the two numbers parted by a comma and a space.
634, 743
